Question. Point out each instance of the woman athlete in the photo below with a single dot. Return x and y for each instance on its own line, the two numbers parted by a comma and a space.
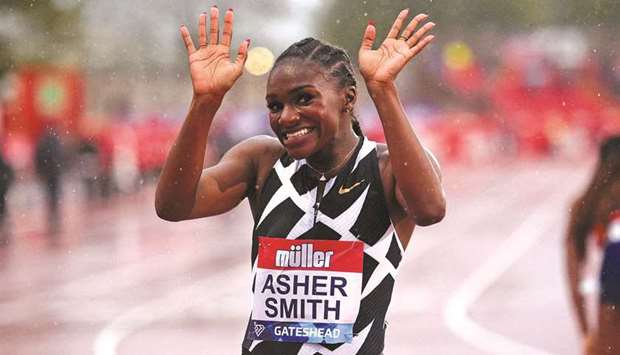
597, 213
333, 211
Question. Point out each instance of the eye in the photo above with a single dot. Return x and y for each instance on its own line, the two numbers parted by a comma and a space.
274, 107
304, 99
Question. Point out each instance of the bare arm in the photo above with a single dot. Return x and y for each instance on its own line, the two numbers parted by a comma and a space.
574, 270
182, 189
417, 178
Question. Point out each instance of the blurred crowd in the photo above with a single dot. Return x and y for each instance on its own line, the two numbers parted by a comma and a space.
544, 94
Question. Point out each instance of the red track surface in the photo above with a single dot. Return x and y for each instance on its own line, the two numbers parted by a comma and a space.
488, 279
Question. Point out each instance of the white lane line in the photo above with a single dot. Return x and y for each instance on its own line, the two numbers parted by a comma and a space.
97, 285
456, 311
109, 338
463, 219
419, 299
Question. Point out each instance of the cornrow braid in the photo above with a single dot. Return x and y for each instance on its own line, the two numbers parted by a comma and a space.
333, 59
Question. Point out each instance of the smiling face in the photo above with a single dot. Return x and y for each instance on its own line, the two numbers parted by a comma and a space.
306, 108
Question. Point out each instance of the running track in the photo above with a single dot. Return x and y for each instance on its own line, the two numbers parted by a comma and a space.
487, 280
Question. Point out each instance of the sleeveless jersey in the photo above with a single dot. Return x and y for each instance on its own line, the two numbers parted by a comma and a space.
353, 208
610, 267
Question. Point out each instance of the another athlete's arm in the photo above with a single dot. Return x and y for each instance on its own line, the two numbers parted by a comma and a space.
184, 191
418, 183
574, 269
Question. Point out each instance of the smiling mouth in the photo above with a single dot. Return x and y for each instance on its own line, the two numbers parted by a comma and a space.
297, 133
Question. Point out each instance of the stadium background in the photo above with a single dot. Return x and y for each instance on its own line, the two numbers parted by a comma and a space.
512, 97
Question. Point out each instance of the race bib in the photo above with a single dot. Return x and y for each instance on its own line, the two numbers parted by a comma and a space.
306, 291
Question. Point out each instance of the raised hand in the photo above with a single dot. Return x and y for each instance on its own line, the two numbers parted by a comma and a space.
381, 66
211, 69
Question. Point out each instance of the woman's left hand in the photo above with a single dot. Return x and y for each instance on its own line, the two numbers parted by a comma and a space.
381, 66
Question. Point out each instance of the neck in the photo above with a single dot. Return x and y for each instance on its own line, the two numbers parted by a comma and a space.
329, 160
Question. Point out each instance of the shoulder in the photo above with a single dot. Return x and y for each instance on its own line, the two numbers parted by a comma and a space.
258, 148
251, 155
264, 151
383, 155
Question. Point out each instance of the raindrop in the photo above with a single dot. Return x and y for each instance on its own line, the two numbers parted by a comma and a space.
405, 163
338, 21
365, 14
563, 103
594, 50
598, 94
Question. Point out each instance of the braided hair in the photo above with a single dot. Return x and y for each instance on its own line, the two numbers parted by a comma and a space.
334, 60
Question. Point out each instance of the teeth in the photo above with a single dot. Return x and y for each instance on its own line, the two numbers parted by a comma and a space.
301, 132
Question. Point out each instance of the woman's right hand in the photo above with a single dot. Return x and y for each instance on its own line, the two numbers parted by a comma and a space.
211, 69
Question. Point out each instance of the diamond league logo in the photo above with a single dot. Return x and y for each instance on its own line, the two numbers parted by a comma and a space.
258, 329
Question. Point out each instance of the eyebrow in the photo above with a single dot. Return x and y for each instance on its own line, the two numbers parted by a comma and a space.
296, 89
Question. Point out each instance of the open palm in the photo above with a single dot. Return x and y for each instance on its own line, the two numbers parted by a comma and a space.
382, 65
211, 69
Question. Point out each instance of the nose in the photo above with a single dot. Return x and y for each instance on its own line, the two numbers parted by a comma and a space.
289, 116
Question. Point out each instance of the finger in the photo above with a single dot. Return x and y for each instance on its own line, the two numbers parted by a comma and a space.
202, 29
213, 29
243, 52
369, 36
420, 46
187, 39
398, 23
413, 40
413, 24
228, 28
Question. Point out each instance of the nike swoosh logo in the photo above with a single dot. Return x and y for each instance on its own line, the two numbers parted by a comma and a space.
343, 190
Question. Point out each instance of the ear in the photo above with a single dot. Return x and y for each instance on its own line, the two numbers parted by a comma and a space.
350, 96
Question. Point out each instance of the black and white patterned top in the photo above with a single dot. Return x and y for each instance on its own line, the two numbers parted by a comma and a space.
284, 208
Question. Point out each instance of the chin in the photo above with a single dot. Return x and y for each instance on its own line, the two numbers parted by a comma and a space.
298, 153
302, 152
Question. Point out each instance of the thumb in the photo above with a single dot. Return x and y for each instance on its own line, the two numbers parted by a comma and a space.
369, 36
